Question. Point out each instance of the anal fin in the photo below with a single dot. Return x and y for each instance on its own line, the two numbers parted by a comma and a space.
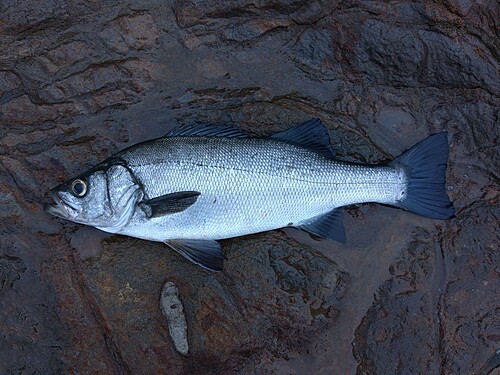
330, 225
205, 253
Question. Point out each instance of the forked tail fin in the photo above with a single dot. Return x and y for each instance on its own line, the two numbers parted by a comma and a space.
425, 167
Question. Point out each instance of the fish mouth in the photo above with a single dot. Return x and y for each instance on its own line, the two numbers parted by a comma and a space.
60, 208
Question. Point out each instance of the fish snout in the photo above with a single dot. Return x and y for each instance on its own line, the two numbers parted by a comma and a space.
60, 208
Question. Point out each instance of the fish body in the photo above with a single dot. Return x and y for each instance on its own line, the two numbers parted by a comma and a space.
204, 184
247, 186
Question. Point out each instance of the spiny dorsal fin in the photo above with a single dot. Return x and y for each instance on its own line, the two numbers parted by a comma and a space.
206, 130
311, 134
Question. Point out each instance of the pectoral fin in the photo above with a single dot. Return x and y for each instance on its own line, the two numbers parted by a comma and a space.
169, 203
205, 253
330, 225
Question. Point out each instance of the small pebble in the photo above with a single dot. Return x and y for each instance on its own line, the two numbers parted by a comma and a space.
171, 306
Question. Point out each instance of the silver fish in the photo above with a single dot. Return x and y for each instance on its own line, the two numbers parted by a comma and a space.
202, 184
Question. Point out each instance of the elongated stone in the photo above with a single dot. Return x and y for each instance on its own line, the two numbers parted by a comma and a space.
171, 306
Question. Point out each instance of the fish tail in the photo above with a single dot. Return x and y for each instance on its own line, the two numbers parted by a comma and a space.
425, 167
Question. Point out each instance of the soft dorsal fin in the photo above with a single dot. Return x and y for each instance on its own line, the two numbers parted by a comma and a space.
330, 225
311, 134
206, 130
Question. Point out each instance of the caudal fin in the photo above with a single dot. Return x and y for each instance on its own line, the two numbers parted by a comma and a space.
425, 166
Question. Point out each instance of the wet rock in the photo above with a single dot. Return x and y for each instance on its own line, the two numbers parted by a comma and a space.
315, 51
469, 313
403, 318
420, 317
492, 364
389, 53
243, 21
270, 299
80, 80
468, 63
11, 269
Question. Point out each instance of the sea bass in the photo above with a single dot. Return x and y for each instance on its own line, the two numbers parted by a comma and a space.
205, 183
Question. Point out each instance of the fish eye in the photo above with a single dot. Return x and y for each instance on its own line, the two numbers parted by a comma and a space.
79, 188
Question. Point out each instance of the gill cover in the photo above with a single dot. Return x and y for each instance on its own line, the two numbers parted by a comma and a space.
123, 193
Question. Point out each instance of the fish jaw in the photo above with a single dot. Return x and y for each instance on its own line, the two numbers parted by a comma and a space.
60, 208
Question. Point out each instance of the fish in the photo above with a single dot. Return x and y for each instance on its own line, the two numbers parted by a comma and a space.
200, 184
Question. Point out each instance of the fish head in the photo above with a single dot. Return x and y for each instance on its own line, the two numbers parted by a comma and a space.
106, 197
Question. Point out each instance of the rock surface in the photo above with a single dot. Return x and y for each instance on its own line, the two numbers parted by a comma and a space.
80, 80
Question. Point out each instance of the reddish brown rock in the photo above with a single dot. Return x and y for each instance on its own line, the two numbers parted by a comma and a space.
80, 80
